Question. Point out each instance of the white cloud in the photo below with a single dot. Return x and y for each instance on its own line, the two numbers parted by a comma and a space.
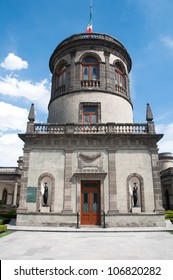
12, 117
168, 42
166, 143
38, 93
13, 62
10, 149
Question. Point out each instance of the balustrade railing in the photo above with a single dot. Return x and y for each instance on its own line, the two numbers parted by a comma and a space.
120, 89
90, 83
137, 128
12, 170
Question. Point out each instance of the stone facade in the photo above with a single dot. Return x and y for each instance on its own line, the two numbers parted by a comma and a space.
166, 176
10, 178
90, 152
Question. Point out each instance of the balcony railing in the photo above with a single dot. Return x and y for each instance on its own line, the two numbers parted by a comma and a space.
9, 170
60, 89
108, 128
120, 89
90, 83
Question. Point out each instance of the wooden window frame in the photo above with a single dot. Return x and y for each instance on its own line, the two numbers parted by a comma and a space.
90, 114
90, 104
119, 76
90, 66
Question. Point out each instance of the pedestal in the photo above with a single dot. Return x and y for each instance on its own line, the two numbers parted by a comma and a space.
136, 210
45, 209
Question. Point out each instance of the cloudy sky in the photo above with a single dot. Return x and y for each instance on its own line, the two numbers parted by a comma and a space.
30, 31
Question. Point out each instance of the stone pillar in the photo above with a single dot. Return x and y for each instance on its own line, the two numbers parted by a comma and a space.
107, 71
15, 194
72, 71
67, 182
127, 86
156, 182
112, 182
24, 180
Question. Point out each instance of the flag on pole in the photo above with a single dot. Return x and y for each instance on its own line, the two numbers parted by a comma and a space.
89, 26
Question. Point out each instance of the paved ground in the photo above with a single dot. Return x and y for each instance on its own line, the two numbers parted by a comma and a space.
87, 245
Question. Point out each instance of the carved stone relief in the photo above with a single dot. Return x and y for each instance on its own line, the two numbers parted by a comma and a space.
90, 160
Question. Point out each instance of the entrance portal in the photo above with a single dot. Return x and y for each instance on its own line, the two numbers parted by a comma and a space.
90, 203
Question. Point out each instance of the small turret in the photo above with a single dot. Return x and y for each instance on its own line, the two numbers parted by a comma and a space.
31, 116
149, 114
31, 119
149, 119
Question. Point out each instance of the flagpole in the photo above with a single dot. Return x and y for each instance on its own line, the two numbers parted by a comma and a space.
89, 27
91, 8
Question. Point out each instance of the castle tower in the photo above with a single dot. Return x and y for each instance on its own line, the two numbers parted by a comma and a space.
90, 71
90, 163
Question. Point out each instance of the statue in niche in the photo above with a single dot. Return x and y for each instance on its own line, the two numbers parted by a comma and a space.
45, 194
135, 195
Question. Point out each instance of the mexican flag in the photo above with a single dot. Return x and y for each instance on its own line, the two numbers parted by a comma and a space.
89, 26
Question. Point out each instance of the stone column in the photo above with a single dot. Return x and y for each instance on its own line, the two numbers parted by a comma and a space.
107, 71
24, 180
112, 182
72, 71
67, 182
15, 194
156, 182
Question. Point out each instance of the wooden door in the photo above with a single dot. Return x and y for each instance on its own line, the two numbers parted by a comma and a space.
90, 203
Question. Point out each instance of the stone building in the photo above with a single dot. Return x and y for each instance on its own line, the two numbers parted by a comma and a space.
90, 154
166, 175
10, 185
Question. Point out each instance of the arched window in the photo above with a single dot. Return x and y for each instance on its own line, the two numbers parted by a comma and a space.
61, 78
61, 75
90, 69
120, 76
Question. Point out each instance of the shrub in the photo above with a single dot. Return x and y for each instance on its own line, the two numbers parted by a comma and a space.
8, 214
169, 214
3, 228
4, 220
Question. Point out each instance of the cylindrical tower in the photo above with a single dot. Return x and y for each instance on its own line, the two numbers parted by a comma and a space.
90, 81
165, 160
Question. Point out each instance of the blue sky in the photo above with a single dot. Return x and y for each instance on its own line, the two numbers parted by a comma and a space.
29, 33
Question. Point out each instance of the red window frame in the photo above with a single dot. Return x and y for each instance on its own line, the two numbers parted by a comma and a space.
119, 76
90, 65
90, 112
61, 74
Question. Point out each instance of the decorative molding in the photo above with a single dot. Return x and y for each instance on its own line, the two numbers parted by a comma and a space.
89, 156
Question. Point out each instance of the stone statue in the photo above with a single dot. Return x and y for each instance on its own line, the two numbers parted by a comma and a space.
45, 194
135, 195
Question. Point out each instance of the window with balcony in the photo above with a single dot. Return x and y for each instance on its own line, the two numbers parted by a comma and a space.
90, 72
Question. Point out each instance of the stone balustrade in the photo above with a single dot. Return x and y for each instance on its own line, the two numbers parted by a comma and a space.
9, 170
120, 89
90, 83
108, 128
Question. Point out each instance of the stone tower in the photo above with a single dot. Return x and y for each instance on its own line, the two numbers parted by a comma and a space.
99, 167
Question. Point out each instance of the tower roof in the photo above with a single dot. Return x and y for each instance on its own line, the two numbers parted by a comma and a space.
93, 40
